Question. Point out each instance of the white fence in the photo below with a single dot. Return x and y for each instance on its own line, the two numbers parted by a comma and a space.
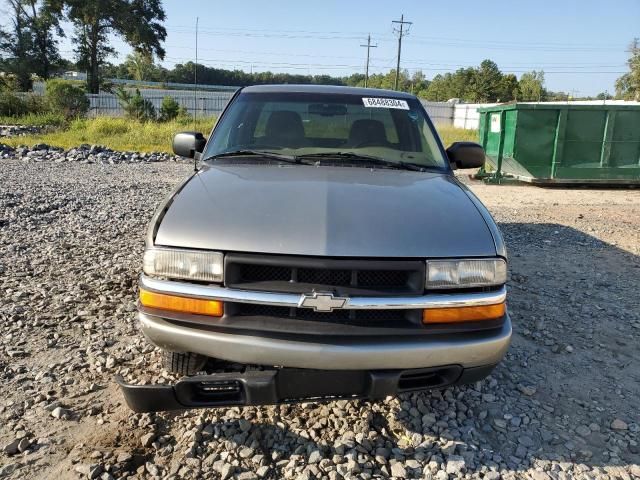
203, 103
460, 115
441, 113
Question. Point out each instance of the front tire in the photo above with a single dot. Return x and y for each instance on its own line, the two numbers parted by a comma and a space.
183, 363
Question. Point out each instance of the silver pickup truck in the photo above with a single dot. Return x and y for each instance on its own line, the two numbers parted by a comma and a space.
322, 249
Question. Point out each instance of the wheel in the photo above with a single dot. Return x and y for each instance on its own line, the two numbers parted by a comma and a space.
183, 363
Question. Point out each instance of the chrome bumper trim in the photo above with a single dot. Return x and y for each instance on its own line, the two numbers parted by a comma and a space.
468, 350
213, 292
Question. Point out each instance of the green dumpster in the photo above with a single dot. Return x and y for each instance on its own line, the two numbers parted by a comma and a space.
562, 143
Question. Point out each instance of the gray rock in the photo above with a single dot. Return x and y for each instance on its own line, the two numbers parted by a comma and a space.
61, 413
262, 472
147, 439
398, 470
526, 441
152, 469
583, 430
247, 476
618, 424
527, 390
226, 471
23, 445
315, 456
455, 464
538, 475
12, 447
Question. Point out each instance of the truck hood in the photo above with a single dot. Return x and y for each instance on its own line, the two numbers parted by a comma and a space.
325, 211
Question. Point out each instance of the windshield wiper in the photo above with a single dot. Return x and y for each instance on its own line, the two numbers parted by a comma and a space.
368, 159
258, 153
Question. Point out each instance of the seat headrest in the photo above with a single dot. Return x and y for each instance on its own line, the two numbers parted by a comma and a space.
285, 126
367, 131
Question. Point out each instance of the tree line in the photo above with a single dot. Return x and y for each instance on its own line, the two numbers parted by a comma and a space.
29, 46
485, 83
30, 43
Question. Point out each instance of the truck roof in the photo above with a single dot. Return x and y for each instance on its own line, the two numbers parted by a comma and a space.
328, 89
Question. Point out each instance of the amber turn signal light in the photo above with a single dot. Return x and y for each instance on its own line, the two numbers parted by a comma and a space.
463, 314
175, 303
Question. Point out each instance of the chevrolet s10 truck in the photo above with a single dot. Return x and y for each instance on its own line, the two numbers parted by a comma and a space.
323, 249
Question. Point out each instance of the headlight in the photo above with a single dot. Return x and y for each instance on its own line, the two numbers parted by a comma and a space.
466, 273
185, 264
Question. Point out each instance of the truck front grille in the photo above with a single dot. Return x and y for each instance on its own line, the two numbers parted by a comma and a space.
352, 317
279, 273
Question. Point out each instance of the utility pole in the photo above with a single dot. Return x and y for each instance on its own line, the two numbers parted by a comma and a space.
366, 71
195, 80
401, 33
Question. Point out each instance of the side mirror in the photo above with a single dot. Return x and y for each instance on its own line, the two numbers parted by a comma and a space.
466, 154
187, 144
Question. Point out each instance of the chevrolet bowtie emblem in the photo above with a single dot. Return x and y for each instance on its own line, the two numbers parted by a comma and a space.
322, 302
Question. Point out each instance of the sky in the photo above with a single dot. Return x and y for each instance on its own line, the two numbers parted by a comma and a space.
580, 45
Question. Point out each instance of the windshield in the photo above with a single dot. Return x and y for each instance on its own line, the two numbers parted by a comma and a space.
301, 124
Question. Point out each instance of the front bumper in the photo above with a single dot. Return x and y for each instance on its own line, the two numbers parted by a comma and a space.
466, 349
273, 386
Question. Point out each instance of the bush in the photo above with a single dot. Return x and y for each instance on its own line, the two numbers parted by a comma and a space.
64, 97
36, 104
11, 105
171, 109
136, 106
8, 83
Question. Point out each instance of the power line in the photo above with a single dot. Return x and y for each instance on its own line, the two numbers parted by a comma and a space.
415, 62
441, 41
306, 66
366, 70
402, 23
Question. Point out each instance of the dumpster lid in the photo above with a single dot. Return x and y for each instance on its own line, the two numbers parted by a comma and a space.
559, 105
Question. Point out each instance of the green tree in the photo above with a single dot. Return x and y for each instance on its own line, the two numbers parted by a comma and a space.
531, 86
387, 80
452, 85
135, 21
43, 18
17, 45
135, 105
140, 66
628, 85
31, 45
507, 88
439, 90
485, 83
65, 97
419, 83
170, 109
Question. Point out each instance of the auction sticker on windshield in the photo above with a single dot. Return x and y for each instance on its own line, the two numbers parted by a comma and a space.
385, 103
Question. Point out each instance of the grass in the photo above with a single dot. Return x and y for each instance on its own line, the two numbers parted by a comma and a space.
450, 134
38, 119
131, 135
116, 133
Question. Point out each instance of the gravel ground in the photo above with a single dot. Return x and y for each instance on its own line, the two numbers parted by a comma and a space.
564, 404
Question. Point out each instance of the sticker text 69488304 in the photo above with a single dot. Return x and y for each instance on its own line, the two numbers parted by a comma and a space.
385, 103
